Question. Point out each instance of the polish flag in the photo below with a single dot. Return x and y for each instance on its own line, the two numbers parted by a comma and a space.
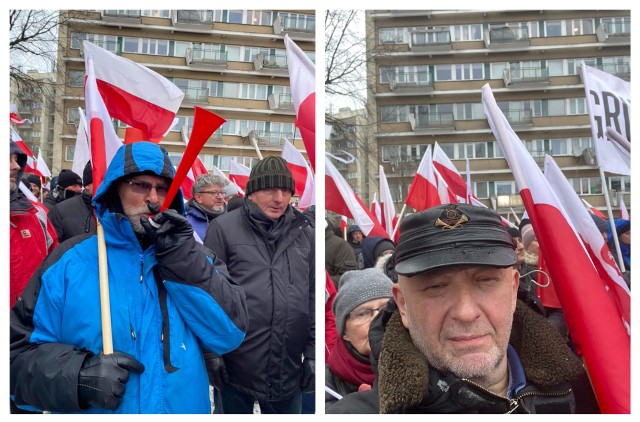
449, 173
444, 192
134, 94
340, 198
343, 225
102, 136
592, 317
305, 186
14, 118
594, 243
594, 210
41, 165
387, 207
239, 174
375, 208
302, 78
32, 163
623, 210
423, 192
82, 151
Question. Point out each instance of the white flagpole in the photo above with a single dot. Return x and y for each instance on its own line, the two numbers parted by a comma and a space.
395, 229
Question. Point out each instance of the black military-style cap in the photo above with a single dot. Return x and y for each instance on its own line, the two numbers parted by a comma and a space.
452, 234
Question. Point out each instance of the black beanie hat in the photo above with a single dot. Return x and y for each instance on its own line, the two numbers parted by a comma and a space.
270, 172
32, 178
68, 178
382, 246
87, 175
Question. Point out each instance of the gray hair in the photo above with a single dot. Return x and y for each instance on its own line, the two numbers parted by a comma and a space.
207, 180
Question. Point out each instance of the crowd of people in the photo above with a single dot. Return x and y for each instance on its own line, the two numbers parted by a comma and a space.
199, 295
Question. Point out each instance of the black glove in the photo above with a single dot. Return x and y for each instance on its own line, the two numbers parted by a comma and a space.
102, 379
308, 375
169, 231
216, 369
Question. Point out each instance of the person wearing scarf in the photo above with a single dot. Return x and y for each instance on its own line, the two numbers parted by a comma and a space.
361, 296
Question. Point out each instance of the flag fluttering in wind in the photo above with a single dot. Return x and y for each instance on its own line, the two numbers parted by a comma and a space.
609, 105
302, 175
624, 213
341, 199
42, 166
32, 162
302, 78
375, 208
133, 93
449, 173
14, 118
592, 317
594, 210
239, 174
82, 150
423, 192
387, 207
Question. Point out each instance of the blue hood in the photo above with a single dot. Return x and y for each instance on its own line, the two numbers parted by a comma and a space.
133, 159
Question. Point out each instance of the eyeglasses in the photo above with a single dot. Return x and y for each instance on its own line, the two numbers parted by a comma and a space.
213, 192
143, 188
362, 316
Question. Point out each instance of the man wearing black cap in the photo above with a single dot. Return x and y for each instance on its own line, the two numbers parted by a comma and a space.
268, 247
458, 340
75, 216
35, 184
69, 184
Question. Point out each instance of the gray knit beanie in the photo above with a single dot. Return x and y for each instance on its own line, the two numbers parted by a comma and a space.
356, 288
270, 172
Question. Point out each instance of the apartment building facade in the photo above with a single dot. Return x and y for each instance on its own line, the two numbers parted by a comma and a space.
427, 70
230, 62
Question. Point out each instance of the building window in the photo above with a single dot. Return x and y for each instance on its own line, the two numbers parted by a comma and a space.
73, 116
553, 28
467, 32
620, 184
76, 78
587, 185
558, 147
391, 36
69, 150
130, 45
576, 106
157, 13
480, 189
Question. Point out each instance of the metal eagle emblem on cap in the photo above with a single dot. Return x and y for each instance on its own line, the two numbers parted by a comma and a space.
451, 218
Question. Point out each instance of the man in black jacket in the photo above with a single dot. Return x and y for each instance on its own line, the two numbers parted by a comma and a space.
75, 216
268, 247
458, 340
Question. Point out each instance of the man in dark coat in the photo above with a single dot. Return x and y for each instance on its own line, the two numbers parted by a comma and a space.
75, 215
68, 185
476, 348
268, 247
338, 255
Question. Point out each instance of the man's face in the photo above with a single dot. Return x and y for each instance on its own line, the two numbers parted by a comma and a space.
14, 168
519, 251
136, 194
211, 197
357, 236
35, 189
273, 202
460, 318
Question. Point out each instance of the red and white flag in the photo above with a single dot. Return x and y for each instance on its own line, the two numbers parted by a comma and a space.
623, 210
423, 192
41, 165
302, 78
82, 150
341, 199
375, 208
591, 315
302, 175
594, 210
445, 194
387, 206
594, 243
14, 118
103, 139
343, 225
449, 173
609, 105
133, 93
32, 163
197, 169
239, 174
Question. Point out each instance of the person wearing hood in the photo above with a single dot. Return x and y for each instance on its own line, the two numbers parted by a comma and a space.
374, 247
32, 235
68, 185
623, 232
207, 202
169, 297
269, 249
454, 338
75, 216
355, 238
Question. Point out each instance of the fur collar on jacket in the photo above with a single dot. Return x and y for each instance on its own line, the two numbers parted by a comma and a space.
403, 371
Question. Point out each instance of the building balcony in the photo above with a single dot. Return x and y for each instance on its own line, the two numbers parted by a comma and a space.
195, 95
122, 16
519, 117
268, 139
431, 40
215, 139
506, 37
301, 27
194, 19
621, 70
614, 33
206, 59
24, 110
431, 122
526, 76
276, 63
419, 82
281, 102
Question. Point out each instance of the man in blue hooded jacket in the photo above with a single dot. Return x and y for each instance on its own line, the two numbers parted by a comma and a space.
170, 297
